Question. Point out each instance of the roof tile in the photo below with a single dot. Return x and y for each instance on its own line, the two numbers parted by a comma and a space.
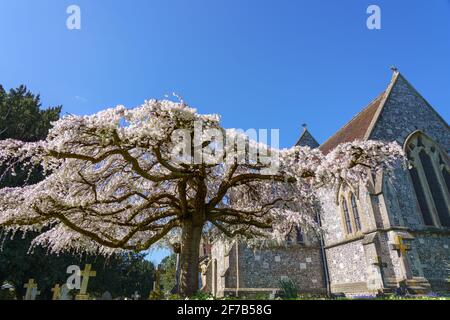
356, 128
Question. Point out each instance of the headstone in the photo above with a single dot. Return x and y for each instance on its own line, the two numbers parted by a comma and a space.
106, 296
136, 296
56, 292
32, 291
64, 293
272, 294
86, 274
7, 286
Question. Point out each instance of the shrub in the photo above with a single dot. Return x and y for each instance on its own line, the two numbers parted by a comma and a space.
202, 296
156, 295
289, 289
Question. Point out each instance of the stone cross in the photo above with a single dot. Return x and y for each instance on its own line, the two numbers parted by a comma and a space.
56, 292
86, 274
32, 291
400, 247
136, 296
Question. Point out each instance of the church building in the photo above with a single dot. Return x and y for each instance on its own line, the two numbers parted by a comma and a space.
381, 236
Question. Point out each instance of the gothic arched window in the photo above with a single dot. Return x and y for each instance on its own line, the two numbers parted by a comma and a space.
348, 222
430, 176
355, 212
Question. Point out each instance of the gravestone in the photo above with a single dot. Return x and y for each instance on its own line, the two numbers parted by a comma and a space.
7, 286
32, 290
7, 292
106, 296
64, 293
86, 274
34, 293
56, 292
135, 296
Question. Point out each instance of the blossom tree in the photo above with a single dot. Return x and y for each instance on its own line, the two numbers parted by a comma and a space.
128, 179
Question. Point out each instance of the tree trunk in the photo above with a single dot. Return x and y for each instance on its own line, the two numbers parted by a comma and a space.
191, 234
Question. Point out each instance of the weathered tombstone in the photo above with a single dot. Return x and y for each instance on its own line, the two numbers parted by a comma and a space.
56, 292
34, 293
106, 296
32, 290
7, 291
273, 295
86, 274
64, 293
135, 296
7, 286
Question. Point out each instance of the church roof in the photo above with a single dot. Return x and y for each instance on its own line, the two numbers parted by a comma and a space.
356, 128
363, 124
307, 140
360, 127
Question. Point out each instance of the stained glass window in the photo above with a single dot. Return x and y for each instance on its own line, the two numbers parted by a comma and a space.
420, 194
348, 224
435, 188
356, 213
431, 179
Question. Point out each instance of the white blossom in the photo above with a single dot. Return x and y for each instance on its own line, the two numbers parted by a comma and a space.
111, 183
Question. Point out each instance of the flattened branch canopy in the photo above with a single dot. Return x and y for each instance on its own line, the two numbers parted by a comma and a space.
113, 183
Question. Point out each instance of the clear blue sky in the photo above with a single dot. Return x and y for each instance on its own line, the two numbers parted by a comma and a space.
259, 63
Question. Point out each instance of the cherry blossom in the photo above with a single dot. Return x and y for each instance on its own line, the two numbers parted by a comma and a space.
112, 183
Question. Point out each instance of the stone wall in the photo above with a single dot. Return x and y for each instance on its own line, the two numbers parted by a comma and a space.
330, 218
405, 112
242, 270
347, 263
265, 268
432, 261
